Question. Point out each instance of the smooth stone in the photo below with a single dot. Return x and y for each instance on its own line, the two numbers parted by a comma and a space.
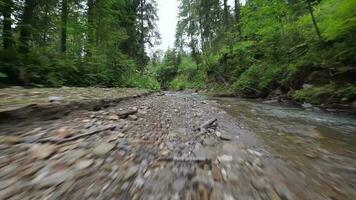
103, 149
131, 172
10, 139
83, 164
43, 151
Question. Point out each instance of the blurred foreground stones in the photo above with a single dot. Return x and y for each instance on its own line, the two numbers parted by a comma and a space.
151, 147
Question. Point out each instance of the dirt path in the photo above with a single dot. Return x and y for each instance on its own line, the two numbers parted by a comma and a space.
159, 151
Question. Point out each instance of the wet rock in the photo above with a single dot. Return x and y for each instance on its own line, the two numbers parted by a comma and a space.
307, 105
10, 140
103, 148
43, 151
83, 164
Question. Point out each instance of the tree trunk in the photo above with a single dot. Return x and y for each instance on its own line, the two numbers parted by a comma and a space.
142, 36
237, 16
313, 19
7, 23
226, 16
64, 19
90, 18
26, 26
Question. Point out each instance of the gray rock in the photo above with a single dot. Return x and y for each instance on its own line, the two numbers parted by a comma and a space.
225, 158
103, 148
131, 172
53, 179
55, 99
83, 164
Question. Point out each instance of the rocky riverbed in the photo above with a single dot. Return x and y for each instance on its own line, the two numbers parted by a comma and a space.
159, 146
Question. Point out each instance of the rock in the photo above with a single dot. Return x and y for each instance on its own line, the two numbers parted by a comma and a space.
307, 86
224, 135
272, 101
216, 173
53, 179
55, 99
10, 140
61, 133
114, 117
43, 151
131, 172
307, 105
179, 184
83, 164
314, 133
225, 158
133, 117
103, 149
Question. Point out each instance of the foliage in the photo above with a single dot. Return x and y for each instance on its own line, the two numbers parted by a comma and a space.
273, 44
77, 43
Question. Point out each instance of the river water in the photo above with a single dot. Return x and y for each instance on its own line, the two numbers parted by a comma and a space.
319, 145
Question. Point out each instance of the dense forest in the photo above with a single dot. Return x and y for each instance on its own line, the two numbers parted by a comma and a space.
303, 50
298, 49
54, 43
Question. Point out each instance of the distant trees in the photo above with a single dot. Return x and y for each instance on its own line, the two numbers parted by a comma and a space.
56, 42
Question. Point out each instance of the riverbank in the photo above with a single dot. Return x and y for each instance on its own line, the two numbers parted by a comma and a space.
160, 146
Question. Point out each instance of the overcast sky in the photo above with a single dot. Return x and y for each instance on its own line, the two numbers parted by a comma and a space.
167, 13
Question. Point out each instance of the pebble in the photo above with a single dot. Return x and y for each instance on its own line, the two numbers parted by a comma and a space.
10, 140
83, 164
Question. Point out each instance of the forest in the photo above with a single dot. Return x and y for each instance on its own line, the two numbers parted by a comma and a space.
302, 50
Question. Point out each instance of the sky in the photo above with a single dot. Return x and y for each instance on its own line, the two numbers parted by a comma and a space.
168, 13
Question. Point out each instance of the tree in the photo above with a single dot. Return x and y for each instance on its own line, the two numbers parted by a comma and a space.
310, 8
237, 16
64, 19
27, 22
148, 32
6, 10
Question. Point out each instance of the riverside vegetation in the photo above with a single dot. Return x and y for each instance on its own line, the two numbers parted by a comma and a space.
301, 49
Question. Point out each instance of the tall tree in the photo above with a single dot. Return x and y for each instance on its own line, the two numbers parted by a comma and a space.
27, 22
6, 10
310, 8
237, 15
64, 19
226, 16
148, 32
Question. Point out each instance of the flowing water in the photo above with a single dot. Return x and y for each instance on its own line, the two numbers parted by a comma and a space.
320, 146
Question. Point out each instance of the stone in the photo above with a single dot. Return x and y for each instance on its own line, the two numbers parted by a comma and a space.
216, 173
10, 140
224, 135
53, 179
132, 171
225, 158
43, 151
83, 164
307, 105
61, 133
103, 148
114, 117
133, 117
54, 99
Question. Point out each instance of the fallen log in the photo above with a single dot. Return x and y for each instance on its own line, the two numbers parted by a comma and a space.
186, 159
208, 124
90, 132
